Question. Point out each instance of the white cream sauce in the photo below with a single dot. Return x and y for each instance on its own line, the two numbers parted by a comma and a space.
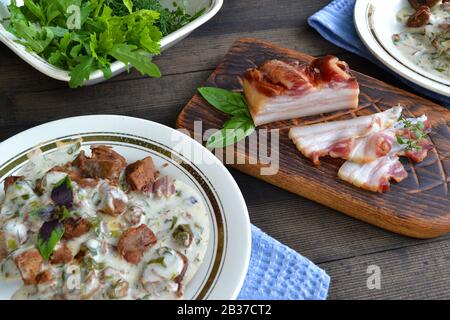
429, 46
105, 274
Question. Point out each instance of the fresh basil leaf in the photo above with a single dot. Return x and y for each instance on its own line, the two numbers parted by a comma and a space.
49, 235
81, 72
232, 103
139, 59
234, 130
62, 193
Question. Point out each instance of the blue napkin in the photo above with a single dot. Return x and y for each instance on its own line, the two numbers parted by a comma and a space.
277, 272
335, 23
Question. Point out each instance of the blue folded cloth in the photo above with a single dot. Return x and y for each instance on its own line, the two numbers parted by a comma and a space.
277, 272
335, 23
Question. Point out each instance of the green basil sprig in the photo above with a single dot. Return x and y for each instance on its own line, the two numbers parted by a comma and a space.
49, 235
232, 103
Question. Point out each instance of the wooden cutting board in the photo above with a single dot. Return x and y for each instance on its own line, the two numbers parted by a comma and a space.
418, 206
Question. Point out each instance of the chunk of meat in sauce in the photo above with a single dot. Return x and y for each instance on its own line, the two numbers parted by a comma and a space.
134, 242
29, 264
141, 174
75, 227
74, 175
9, 181
61, 254
114, 200
44, 277
133, 215
104, 163
163, 187
419, 18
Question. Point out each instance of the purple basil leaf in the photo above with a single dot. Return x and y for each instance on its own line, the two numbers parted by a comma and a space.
46, 213
47, 228
62, 193
49, 235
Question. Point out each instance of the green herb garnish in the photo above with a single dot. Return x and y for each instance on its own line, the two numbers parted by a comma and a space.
232, 103
415, 134
159, 261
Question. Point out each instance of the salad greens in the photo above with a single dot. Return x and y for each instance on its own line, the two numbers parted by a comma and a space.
169, 20
232, 103
82, 36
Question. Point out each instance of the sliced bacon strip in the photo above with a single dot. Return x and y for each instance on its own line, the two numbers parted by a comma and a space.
280, 90
381, 143
339, 138
373, 176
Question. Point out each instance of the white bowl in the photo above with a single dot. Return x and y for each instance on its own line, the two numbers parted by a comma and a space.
376, 22
117, 67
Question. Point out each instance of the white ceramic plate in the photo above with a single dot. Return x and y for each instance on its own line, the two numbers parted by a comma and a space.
211, 6
376, 22
225, 266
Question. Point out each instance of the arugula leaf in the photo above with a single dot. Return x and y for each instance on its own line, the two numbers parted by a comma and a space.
49, 235
36, 40
232, 103
234, 130
81, 72
141, 60
129, 5
36, 10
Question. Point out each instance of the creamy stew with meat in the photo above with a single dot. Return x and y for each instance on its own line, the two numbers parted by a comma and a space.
79, 226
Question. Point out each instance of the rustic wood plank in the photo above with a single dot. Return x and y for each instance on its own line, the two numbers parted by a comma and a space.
427, 185
156, 99
319, 233
416, 272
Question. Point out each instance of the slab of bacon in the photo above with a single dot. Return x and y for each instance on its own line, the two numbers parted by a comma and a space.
342, 138
280, 90
373, 176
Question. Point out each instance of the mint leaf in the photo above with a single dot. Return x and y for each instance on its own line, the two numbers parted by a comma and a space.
234, 130
232, 103
139, 59
49, 235
81, 72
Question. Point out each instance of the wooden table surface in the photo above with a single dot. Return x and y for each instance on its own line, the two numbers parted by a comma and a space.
344, 247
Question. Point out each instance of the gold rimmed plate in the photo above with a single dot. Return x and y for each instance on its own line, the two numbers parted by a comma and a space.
376, 22
225, 265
